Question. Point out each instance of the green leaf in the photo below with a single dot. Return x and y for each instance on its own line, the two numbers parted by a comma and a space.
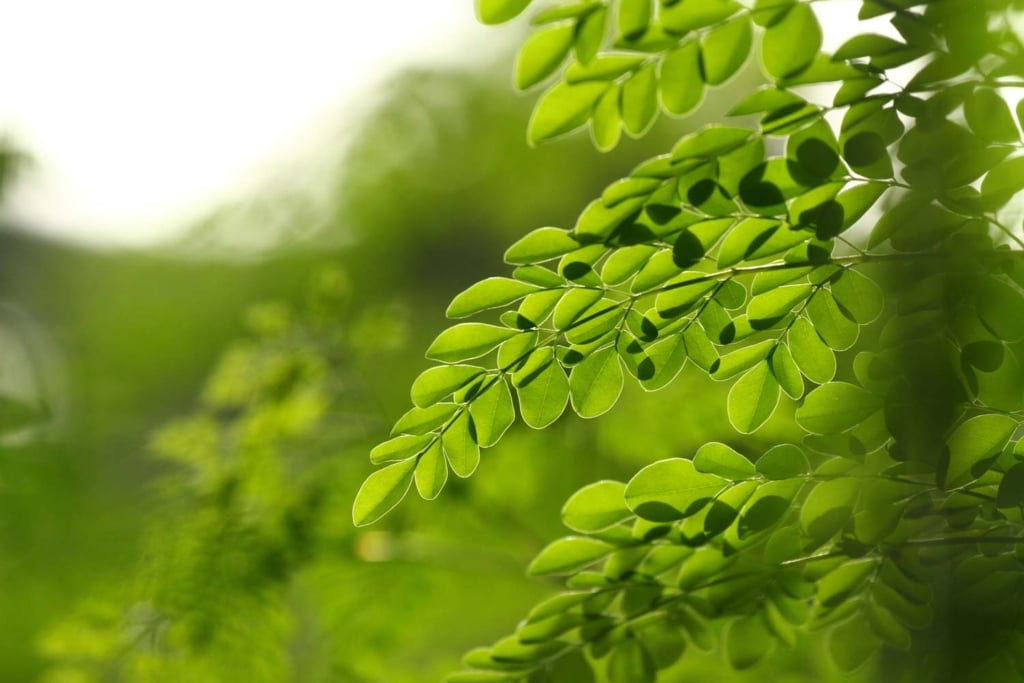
834, 328
841, 583
490, 293
563, 108
777, 303
746, 237
682, 87
784, 461
540, 245
670, 489
596, 507
704, 564
989, 116
665, 642
542, 54
814, 358
717, 458
561, 12
828, 507
543, 397
460, 446
467, 340
768, 12
859, 295
681, 17
1011, 488
400, 448
493, 413
743, 358
382, 491
573, 305
791, 44
1005, 180
606, 125
725, 48
766, 99
630, 662
753, 399
596, 382
640, 100
858, 200
420, 421
767, 507
634, 16
726, 507
438, 382
747, 641
681, 293
996, 303
886, 626
976, 439
431, 472
598, 222
785, 370
499, 11
867, 45
835, 407
710, 141
590, 34
568, 555
607, 67
852, 645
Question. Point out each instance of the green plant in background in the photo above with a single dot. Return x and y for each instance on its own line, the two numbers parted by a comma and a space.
848, 244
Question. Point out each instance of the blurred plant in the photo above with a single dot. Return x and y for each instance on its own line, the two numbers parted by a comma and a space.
895, 525
252, 469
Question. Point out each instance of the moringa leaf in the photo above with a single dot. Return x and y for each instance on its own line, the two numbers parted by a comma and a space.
791, 43
596, 382
382, 490
670, 489
499, 11
542, 54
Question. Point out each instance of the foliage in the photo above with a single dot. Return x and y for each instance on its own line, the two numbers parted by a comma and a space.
854, 255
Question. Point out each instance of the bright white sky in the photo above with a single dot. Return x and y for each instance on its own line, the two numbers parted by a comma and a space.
141, 114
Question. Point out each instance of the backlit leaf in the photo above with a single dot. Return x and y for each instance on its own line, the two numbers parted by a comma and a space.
596, 506
382, 490
976, 439
438, 382
493, 413
542, 53
431, 472
668, 489
679, 78
499, 11
460, 446
596, 382
791, 43
563, 108
724, 49
753, 399
567, 555
717, 458
543, 397
467, 340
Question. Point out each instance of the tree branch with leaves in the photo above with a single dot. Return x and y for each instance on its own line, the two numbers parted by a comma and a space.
851, 240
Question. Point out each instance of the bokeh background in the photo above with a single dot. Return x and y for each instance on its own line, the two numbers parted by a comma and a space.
227, 233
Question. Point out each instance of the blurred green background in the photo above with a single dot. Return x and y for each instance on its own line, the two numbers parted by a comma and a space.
184, 427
